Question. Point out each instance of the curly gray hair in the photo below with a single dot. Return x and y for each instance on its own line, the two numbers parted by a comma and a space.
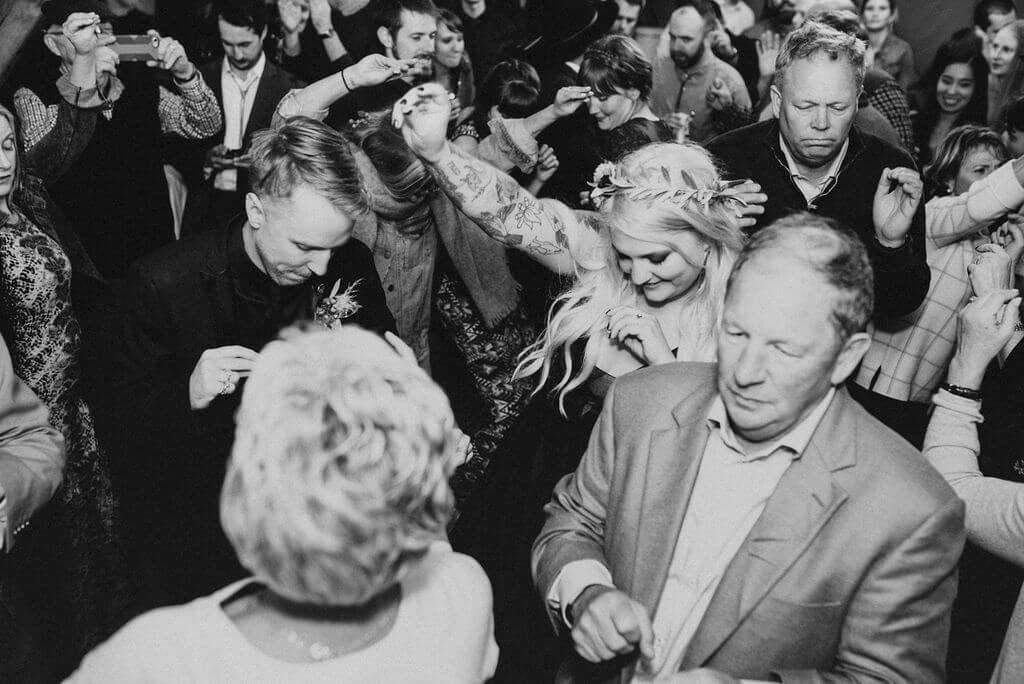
815, 37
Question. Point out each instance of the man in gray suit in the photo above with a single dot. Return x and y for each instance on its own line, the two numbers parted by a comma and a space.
749, 520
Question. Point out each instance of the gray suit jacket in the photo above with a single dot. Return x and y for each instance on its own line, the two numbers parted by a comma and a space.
847, 576
31, 452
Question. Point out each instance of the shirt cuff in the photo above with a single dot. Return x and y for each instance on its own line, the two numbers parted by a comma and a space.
101, 96
572, 580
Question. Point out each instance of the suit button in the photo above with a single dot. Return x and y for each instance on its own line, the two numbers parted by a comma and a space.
391, 288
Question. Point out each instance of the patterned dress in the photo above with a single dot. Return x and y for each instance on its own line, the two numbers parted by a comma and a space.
67, 554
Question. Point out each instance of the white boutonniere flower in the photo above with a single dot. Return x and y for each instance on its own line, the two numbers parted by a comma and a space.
333, 309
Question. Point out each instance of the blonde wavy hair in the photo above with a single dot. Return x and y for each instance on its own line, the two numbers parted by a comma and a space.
339, 471
600, 284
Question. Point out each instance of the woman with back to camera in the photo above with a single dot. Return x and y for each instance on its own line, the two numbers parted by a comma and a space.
336, 498
647, 272
952, 93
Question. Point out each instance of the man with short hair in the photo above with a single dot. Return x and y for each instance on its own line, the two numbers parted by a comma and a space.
629, 14
198, 312
773, 529
811, 157
693, 88
248, 87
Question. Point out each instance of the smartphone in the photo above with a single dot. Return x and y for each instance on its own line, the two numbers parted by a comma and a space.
135, 48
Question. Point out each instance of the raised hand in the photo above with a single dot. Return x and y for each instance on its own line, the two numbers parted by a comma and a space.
569, 99
640, 333
422, 115
607, 623
375, 69
547, 164
218, 372
1010, 236
767, 47
897, 198
992, 269
320, 15
984, 327
82, 29
294, 15
752, 204
170, 56
718, 95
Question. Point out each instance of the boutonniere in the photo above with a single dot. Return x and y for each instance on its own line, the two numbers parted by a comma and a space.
333, 308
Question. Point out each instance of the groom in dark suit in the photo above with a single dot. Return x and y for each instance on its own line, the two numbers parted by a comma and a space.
750, 520
198, 312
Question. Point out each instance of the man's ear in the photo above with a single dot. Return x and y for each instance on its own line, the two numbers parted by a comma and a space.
254, 210
384, 36
776, 100
849, 357
50, 41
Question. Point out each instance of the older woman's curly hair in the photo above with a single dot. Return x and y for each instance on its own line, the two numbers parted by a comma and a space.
339, 471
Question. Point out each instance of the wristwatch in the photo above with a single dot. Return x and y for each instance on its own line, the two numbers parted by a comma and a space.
327, 34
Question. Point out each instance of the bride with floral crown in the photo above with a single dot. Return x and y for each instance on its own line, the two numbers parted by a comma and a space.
648, 271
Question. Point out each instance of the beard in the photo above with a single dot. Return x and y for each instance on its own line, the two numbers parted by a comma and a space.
685, 61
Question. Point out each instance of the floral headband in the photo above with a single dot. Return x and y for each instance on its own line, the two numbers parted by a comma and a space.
608, 181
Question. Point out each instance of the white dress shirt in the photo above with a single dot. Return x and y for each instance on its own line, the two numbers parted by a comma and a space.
730, 492
238, 96
808, 188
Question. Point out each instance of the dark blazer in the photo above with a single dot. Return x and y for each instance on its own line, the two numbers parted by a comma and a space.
191, 296
274, 84
901, 275
848, 574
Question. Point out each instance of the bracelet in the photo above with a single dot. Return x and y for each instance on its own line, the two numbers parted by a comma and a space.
965, 392
183, 81
345, 81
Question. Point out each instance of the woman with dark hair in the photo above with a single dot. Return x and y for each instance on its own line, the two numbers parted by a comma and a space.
452, 67
1006, 67
511, 90
620, 77
1011, 127
952, 92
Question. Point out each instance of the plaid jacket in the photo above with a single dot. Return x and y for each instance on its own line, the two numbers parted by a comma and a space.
909, 354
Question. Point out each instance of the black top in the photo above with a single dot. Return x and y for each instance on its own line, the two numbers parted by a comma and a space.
615, 144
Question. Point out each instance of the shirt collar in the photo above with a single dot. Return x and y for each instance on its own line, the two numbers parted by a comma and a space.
700, 67
253, 74
833, 169
795, 440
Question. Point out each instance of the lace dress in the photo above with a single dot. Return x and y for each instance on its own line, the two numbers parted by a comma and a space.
67, 554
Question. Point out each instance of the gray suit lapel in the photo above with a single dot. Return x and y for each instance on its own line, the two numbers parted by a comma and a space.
804, 500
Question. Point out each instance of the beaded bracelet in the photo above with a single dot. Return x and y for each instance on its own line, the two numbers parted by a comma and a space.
965, 392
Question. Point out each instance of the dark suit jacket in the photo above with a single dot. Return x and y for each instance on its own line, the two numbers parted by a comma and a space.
848, 574
901, 275
191, 296
274, 84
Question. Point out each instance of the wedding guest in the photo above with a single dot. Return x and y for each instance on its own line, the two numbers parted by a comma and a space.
490, 27
620, 80
724, 460
989, 329
335, 500
887, 51
1006, 69
197, 312
989, 17
909, 354
248, 87
315, 38
31, 465
830, 167
629, 13
1011, 127
72, 551
511, 90
647, 278
452, 64
693, 88
952, 93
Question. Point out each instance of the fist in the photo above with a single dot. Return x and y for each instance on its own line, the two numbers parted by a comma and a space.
608, 623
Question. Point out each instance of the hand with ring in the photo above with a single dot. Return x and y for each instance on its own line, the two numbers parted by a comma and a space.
639, 333
992, 269
218, 372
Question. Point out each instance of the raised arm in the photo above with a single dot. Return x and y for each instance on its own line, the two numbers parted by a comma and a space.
493, 200
951, 219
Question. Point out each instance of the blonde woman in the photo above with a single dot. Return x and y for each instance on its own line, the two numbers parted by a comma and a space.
336, 499
648, 272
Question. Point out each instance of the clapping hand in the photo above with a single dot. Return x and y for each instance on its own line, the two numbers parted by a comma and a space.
170, 56
718, 95
640, 333
751, 204
984, 327
897, 198
294, 15
992, 269
422, 115
218, 372
569, 99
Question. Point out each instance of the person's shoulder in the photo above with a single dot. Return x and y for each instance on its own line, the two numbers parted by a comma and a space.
881, 153
663, 383
727, 71
181, 257
281, 75
454, 576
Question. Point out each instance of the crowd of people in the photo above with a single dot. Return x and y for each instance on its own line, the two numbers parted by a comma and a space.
509, 341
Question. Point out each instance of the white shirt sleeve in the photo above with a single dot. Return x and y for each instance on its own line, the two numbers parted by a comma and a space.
572, 580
